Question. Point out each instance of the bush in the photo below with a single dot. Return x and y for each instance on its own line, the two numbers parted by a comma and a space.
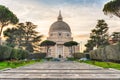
108, 53
37, 56
5, 52
19, 54
8, 53
79, 55
24, 54
71, 58
14, 54
49, 58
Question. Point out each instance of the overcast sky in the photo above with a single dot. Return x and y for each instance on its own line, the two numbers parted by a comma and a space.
81, 15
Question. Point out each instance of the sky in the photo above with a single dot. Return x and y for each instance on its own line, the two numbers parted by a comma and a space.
81, 15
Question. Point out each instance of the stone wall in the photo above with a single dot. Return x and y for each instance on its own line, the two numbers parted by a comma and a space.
110, 52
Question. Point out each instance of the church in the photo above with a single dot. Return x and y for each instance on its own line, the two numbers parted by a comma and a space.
60, 33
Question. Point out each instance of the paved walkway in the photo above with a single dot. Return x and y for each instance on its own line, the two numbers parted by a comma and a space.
60, 71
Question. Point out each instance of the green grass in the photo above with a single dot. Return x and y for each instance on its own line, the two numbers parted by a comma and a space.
103, 64
71, 59
14, 64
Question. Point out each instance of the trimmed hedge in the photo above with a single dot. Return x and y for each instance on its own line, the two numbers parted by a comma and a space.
37, 56
5, 52
108, 53
19, 54
8, 53
79, 55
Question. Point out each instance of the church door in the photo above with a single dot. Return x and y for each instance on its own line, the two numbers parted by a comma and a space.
60, 51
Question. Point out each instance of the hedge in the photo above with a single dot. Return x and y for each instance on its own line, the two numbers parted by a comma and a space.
37, 56
79, 55
108, 53
7, 53
19, 54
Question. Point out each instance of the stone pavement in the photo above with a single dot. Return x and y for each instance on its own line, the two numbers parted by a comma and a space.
60, 71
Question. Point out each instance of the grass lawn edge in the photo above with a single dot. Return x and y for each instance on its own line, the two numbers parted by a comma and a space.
5, 65
105, 65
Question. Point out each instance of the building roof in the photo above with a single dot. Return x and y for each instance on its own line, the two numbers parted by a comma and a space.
60, 25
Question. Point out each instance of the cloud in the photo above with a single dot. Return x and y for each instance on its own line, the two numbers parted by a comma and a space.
83, 35
71, 2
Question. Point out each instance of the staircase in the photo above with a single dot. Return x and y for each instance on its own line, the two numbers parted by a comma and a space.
60, 71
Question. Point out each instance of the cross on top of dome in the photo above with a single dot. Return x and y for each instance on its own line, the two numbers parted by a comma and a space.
60, 16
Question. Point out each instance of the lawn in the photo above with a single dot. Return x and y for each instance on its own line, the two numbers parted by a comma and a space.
14, 64
103, 64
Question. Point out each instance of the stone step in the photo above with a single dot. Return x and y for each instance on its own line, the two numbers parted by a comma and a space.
63, 71
60, 71
59, 77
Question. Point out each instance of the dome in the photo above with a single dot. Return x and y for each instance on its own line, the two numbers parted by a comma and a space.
60, 25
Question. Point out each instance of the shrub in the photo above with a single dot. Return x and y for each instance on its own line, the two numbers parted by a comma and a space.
23, 54
79, 55
19, 54
108, 53
49, 58
37, 56
8, 53
14, 54
5, 52
70, 58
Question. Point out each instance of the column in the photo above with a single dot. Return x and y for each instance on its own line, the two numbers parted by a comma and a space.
63, 51
56, 50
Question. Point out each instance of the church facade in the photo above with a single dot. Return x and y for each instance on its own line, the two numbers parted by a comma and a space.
60, 33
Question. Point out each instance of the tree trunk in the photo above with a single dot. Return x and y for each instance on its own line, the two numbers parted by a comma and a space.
1, 30
1, 35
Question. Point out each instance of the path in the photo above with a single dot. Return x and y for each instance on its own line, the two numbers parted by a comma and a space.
60, 71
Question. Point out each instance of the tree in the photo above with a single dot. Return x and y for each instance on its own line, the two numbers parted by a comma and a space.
30, 36
99, 36
90, 45
24, 35
47, 44
15, 35
72, 45
112, 8
6, 17
116, 36
11, 37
